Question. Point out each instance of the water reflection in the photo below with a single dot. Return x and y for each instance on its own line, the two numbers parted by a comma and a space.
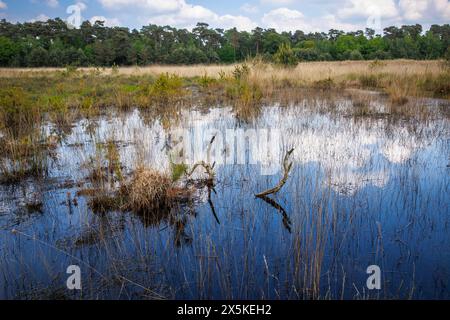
360, 192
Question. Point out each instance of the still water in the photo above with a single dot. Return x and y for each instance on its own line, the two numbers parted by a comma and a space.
362, 191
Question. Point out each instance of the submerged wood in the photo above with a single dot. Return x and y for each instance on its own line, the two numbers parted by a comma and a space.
209, 168
287, 168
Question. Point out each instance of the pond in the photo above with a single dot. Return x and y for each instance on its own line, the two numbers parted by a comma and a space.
361, 191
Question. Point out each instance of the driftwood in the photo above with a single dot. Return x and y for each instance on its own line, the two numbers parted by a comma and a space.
287, 168
209, 168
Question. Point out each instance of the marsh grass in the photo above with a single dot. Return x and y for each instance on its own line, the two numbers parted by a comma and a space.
148, 190
31, 99
62, 92
167, 89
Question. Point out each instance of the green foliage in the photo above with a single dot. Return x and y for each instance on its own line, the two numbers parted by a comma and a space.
241, 72
307, 54
285, 56
355, 55
7, 50
54, 44
178, 170
38, 57
190, 55
206, 81
17, 109
167, 87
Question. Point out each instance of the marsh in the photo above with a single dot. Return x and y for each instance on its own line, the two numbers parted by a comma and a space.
368, 185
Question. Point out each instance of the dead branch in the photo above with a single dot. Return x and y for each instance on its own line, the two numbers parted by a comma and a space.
209, 169
287, 168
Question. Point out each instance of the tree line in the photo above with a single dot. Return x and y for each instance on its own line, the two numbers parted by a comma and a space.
53, 44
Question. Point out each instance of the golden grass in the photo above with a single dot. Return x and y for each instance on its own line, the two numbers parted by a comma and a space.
304, 72
148, 189
418, 78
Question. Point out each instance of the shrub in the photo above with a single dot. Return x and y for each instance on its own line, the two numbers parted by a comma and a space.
356, 55
285, 56
17, 110
241, 72
166, 88
308, 54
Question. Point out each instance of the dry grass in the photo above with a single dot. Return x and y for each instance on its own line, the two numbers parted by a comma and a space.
306, 72
148, 189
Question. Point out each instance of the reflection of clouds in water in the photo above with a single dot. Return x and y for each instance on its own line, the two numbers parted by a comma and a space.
397, 153
350, 182
347, 151
400, 148
341, 154
341, 150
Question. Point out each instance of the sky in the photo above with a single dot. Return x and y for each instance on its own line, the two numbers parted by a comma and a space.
283, 15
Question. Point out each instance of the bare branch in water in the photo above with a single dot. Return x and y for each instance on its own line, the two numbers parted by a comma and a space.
287, 168
209, 168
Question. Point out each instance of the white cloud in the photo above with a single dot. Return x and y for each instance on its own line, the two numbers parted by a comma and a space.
346, 15
277, 2
178, 13
3, 5
415, 10
109, 22
330, 21
153, 5
240, 22
42, 17
368, 8
284, 19
188, 15
402, 11
443, 6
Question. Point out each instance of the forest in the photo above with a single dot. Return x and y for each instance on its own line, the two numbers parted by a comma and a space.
54, 44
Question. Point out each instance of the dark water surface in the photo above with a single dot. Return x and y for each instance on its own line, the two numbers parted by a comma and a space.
362, 191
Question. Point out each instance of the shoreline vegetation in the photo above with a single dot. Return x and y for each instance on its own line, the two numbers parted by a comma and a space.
38, 109
251, 80
29, 98
80, 140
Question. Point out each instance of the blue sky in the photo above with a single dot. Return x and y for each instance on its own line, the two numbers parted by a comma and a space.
318, 15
